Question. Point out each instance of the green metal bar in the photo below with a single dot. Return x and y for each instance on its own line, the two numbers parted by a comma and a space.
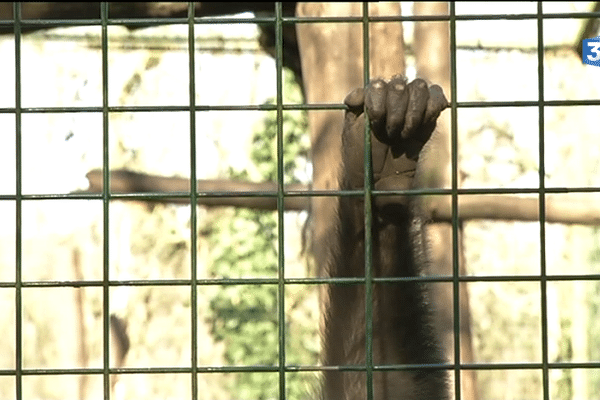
308, 193
465, 17
105, 206
300, 281
18, 209
542, 211
48, 23
156, 109
300, 368
368, 196
193, 202
303, 193
455, 194
289, 107
280, 199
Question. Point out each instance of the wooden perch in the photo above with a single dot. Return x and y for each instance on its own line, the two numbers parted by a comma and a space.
262, 196
129, 10
560, 208
212, 192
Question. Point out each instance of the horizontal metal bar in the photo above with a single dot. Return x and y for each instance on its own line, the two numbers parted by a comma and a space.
433, 18
288, 107
302, 281
200, 108
302, 368
301, 193
293, 20
530, 103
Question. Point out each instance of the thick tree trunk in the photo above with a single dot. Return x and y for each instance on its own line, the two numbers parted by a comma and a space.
332, 61
432, 54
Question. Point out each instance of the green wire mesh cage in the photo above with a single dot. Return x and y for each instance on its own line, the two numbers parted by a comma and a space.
125, 290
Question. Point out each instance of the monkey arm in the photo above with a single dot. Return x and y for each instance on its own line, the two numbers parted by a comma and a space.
402, 119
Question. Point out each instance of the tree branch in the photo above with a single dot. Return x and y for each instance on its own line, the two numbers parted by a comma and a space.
129, 10
589, 29
212, 192
263, 196
560, 209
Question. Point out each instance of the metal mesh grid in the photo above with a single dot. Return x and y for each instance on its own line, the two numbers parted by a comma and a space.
278, 21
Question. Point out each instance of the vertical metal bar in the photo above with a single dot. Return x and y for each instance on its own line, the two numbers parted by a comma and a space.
280, 197
542, 203
193, 200
105, 203
454, 188
18, 208
368, 216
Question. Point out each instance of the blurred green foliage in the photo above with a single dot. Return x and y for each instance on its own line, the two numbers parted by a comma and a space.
244, 244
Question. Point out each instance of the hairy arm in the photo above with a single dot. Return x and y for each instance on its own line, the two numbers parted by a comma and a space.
402, 119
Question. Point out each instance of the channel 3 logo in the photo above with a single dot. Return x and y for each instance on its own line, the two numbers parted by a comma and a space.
591, 51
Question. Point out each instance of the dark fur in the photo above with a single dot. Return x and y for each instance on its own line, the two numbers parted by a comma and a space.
402, 118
